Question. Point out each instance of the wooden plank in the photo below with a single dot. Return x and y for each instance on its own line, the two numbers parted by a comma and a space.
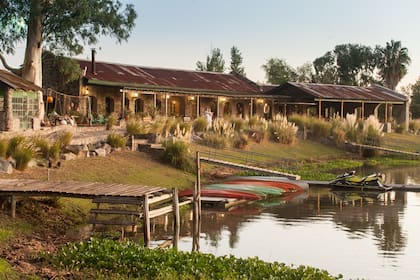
112, 223
115, 211
159, 198
165, 210
118, 200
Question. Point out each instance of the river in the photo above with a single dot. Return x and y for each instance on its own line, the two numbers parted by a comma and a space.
369, 235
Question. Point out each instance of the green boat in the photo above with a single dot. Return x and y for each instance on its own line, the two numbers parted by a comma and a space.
260, 190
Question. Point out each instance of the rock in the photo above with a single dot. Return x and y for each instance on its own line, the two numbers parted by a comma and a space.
69, 156
6, 166
101, 152
107, 148
75, 149
32, 163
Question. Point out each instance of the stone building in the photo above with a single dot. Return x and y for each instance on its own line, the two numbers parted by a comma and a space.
21, 104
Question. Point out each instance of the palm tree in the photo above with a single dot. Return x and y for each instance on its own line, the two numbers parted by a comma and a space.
393, 61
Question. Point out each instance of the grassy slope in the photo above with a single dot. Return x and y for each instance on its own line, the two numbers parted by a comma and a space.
403, 142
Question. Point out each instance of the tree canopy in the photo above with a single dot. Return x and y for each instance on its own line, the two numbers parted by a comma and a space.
62, 26
277, 71
392, 62
415, 100
236, 61
214, 62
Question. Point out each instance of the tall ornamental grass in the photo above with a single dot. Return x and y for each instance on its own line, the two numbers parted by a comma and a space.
282, 131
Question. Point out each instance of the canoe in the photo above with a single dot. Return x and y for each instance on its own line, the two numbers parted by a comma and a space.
260, 190
284, 185
223, 193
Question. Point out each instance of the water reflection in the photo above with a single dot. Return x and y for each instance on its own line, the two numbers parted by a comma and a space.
376, 233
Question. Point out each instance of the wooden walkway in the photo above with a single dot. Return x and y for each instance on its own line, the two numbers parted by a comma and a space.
252, 168
75, 189
387, 150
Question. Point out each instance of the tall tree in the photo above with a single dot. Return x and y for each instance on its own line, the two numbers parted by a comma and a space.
392, 62
355, 64
214, 62
277, 71
63, 26
236, 61
415, 100
325, 69
305, 73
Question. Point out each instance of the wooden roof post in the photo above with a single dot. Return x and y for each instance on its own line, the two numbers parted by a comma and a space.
198, 106
166, 105
363, 110
154, 101
319, 108
218, 107
342, 109
386, 112
251, 108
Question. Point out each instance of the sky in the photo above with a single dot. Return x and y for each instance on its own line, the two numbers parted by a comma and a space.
177, 34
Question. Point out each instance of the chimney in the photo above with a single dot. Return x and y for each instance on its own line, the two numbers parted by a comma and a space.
93, 62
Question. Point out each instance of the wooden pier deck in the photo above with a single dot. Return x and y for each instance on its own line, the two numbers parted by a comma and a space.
75, 189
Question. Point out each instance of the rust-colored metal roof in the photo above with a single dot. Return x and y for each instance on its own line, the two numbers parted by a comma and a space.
17, 82
340, 92
167, 79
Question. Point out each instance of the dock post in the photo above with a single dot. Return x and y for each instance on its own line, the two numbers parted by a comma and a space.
176, 217
197, 206
13, 206
146, 221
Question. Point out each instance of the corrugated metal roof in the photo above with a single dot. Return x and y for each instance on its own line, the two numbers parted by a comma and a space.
17, 82
180, 80
342, 92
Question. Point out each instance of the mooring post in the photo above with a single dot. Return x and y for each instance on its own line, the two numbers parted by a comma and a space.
13, 206
146, 221
177, 221
197, 206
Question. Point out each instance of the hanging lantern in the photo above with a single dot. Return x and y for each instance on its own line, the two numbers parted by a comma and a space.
50, 99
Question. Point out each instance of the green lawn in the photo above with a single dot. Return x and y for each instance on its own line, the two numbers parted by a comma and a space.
403, 142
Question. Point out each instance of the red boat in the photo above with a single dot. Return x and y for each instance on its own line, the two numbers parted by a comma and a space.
287, 186
223, 193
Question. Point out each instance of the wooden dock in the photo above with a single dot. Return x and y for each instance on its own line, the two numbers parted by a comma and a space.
103, 193
251, 168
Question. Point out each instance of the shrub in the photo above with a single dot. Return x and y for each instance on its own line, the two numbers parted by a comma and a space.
116, 140
177, 154
414, 126
42, 146
23, 155
238, 124
199, 124
240, 141
111, 120
215, 140
282, 131
64, 139
300, 120
135, 127
350, 127
320, 128
253, 122
3, 148
13, 145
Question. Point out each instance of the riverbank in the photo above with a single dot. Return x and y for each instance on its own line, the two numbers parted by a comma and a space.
45, 225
